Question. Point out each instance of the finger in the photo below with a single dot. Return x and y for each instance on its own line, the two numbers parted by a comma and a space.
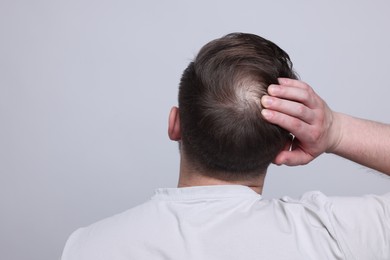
304, 96
294, 125
287, 147
288, 107
292, 158
293, 83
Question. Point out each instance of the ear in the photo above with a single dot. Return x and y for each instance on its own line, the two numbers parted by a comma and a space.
174, 132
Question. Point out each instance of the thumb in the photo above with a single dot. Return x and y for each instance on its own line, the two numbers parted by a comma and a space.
292, 158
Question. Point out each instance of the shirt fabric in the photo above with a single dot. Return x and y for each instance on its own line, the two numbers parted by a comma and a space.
234, 222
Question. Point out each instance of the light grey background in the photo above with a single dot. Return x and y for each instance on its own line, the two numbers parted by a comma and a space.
86, 87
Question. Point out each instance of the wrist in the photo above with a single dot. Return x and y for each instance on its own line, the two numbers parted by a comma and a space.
335, 132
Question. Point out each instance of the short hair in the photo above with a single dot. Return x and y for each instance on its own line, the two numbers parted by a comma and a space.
223, 132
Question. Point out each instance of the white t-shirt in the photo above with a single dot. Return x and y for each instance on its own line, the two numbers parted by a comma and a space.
234, 222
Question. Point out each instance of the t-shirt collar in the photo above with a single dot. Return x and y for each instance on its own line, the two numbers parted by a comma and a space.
205, 192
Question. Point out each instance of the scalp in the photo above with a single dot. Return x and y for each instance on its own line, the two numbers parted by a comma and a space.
220, 109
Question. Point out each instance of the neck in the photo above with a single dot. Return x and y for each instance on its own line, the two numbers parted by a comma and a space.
189, 178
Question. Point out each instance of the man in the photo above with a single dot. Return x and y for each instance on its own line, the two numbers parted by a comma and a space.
226, 145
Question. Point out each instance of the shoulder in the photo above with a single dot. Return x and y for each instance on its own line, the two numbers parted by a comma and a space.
363, 225
360, 224
318, 200
345, 211
108, 236
314, 202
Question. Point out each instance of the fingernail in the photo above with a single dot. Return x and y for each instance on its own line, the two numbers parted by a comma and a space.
266, 113
266, 101
282, 80
273, 89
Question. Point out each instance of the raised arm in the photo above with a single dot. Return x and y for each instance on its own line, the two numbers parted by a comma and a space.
365, 142
294, 106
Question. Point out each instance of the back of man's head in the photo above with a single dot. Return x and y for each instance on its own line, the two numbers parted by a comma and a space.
223, 132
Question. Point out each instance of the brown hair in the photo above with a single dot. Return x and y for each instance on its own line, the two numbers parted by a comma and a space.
223, 132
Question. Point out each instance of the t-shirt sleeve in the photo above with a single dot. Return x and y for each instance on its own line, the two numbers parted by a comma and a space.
362, 225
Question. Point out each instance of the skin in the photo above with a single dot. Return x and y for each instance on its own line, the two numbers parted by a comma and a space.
189, 176
294, 106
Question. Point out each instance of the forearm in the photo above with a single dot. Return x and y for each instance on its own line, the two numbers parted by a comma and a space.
294, 106
363, 141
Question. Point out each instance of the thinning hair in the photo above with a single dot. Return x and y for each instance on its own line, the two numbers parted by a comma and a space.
223, 132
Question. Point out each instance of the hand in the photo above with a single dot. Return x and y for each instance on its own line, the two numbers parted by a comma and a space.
294, 106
